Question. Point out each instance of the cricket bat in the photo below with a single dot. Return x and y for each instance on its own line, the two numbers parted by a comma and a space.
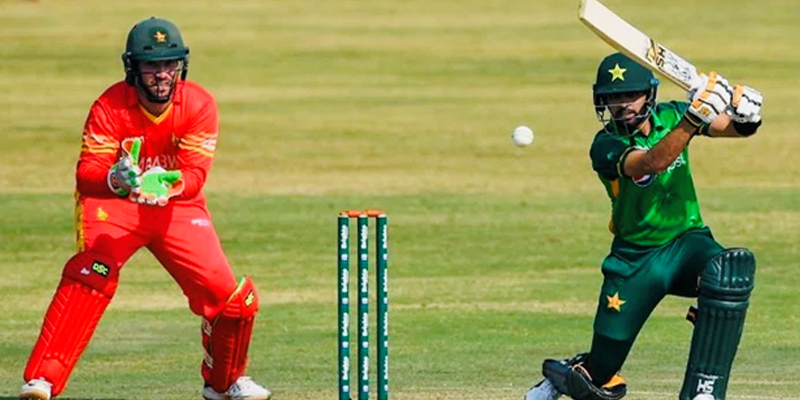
632, 42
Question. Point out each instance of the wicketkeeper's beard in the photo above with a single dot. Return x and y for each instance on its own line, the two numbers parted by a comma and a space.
160, 90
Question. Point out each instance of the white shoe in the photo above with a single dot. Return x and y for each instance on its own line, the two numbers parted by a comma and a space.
543, 390
36, 389
243, 389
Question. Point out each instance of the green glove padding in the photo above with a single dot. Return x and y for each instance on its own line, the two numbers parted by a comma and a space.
158, 186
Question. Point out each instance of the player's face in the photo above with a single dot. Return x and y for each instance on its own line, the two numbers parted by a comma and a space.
158, 77
626, 107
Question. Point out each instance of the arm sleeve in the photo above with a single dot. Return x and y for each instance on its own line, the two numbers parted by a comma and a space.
607, 153
196, 149
680, 108
99, 148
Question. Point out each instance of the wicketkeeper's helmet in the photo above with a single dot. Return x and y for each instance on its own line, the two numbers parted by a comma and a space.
154, 39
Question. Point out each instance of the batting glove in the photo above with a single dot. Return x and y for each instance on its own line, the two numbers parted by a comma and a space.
711, 97
746, 104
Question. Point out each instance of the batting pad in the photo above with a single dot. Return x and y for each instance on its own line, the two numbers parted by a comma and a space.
725, 288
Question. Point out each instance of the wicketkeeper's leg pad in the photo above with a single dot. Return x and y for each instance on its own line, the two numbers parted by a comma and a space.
226, 337
725, 287
571, 378
88, 283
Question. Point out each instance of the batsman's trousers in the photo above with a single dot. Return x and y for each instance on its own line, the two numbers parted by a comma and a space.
635, 280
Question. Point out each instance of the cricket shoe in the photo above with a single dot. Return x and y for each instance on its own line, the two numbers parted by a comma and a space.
243, 389
543, 390
36, 389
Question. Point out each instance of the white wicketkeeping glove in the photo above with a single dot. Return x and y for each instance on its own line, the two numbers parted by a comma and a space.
711, 97
746, 104
124, 176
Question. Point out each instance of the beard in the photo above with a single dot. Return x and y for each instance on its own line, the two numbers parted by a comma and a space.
629, 118
157, 90
161, 88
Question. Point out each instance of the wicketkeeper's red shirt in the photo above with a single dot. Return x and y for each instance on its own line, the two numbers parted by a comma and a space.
180, 235
183, 138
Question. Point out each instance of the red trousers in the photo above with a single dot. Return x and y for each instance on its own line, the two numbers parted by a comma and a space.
180, 235
182, 238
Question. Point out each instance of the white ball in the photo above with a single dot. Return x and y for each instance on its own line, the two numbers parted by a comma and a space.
522, 136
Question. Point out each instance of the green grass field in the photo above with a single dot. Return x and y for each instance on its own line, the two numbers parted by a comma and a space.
405, 105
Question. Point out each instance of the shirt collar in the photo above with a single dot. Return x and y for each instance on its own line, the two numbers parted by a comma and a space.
656, 125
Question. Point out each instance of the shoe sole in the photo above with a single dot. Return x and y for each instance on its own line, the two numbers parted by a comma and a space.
34, 396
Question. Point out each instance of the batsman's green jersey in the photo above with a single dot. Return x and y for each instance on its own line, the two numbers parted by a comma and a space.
647, 210
660, 243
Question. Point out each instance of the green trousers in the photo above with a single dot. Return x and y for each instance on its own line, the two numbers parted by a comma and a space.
635, 280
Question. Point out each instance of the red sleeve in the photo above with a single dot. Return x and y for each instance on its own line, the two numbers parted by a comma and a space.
197, 146
99, 150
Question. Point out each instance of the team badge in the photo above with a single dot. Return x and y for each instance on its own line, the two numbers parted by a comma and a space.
617, 73
644, 180
160, 37
614, 302
102, 215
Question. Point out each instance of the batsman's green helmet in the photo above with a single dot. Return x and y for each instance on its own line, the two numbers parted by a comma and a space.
619, 74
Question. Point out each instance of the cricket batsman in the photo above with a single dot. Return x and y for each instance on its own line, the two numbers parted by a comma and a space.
148, 144
661, 245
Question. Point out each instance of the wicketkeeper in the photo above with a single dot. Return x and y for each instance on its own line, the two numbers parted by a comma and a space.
661, 245
148, 145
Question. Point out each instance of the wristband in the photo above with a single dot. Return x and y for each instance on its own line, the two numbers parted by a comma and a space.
746, 128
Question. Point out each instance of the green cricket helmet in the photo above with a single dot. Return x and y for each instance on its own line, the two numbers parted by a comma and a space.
154, 39
618, 74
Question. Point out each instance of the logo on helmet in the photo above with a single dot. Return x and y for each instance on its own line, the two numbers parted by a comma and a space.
617, 73
160, 37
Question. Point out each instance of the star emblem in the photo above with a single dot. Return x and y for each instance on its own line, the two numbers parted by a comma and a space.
617, 73
615, 302
160, 37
